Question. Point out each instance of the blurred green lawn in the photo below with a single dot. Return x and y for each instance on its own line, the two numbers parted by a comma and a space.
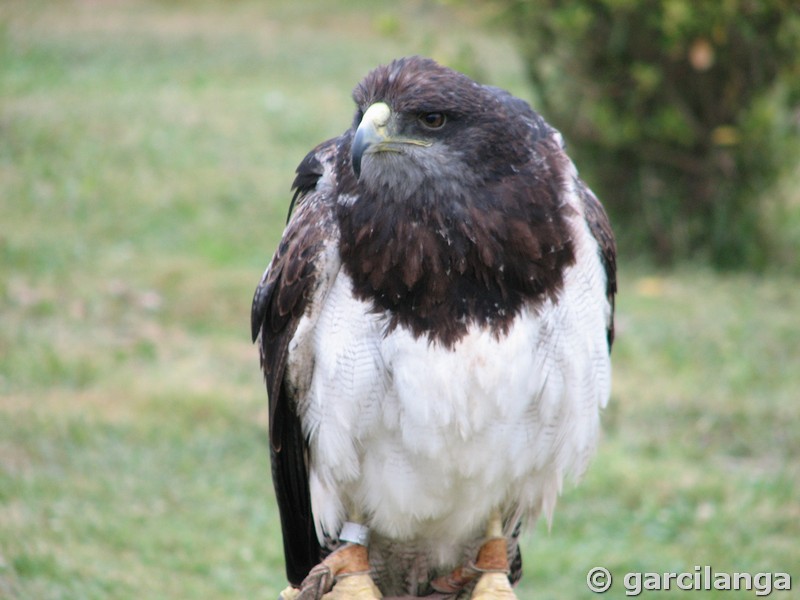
146, 151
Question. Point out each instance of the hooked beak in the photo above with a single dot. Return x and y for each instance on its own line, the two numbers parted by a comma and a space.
371, 130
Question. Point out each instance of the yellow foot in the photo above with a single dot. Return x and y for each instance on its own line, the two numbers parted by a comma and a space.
493, 586
354, 587
344, 574
492, 563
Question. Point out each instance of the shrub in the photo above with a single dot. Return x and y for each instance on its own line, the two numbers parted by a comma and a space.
681, 113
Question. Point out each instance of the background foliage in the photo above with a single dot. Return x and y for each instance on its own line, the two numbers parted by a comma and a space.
146, 153
683, 114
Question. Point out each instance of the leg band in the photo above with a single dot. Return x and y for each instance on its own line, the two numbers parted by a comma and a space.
355, 533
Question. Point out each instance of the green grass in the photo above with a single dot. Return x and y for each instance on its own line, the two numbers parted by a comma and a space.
146, 150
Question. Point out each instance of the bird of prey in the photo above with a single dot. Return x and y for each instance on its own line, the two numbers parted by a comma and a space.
434, 329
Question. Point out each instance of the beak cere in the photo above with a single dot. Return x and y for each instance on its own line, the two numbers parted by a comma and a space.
371, 130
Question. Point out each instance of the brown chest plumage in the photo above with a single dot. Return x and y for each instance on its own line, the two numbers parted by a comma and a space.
436, 264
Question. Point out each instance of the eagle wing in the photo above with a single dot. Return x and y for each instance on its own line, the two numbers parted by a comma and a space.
550, 142
296, 282
600, 228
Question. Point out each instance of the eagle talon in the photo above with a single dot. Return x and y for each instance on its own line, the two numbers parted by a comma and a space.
456, 580
342, 575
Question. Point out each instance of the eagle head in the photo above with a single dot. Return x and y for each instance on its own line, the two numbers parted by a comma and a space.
453, 216
421, 124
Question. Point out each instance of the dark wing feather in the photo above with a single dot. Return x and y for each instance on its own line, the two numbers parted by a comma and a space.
288, 289
301, 548
307, 174
600, 228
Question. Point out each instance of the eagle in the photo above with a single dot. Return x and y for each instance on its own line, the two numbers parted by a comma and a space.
434, 329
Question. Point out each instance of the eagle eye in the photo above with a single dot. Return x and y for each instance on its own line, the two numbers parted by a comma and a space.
433, 120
